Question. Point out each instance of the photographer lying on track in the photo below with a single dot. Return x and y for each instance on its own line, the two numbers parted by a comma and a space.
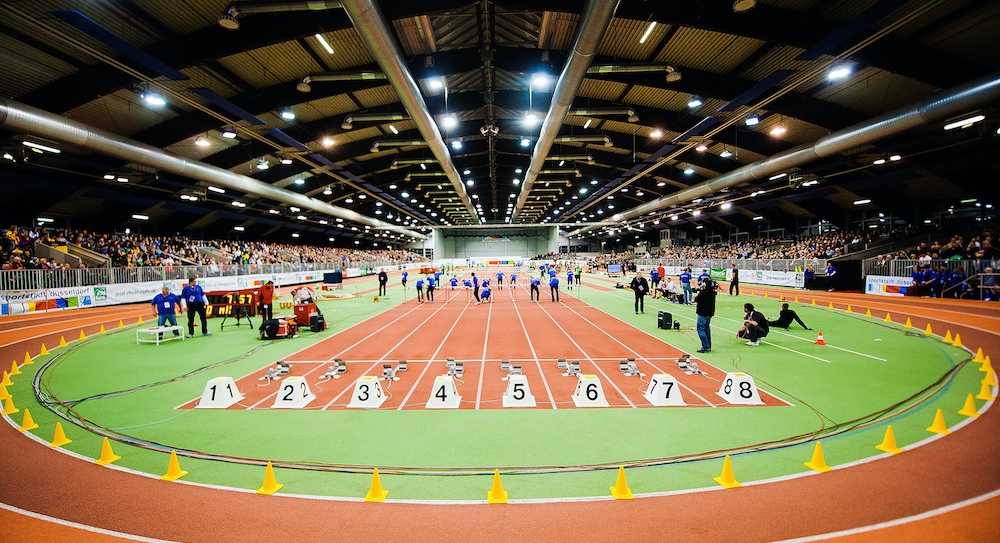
754, 326
786, 317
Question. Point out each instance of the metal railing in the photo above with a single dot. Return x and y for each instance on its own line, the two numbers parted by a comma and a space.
750, 264
38, 279
982, 286
904, 268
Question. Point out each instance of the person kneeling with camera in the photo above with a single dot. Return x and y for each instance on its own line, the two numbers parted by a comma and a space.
754, 326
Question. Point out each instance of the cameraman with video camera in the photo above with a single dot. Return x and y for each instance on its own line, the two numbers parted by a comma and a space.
705, 309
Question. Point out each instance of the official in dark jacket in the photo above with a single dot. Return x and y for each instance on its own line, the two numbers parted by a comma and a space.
640, 287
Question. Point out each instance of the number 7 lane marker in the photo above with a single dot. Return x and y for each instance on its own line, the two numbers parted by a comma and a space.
589, 359
413, 388
538, 363
482, 366
633, 351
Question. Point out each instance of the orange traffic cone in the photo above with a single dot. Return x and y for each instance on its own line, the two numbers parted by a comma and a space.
889, 442
818, 463
969, 410
496, 494
270, 483
727, 479
107, 455
27, 423
376, 494
939, 426
621, 491
59, 439
819, 340
174, 470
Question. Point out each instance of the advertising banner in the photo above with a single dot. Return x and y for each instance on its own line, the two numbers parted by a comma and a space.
884, 285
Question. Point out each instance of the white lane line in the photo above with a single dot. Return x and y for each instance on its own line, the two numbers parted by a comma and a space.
433, 356
538, 363
78, 526
591, 360
637, 355
482, 366
897, 522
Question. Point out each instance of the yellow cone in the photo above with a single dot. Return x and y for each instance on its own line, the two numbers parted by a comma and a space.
813, 302
3, 393
958, 341
908, 323
765, 295
888, 317
889, 442
376, 494
991, 379
13, 368
939, 427
59, 439
970, 408
796, 299
82, 335
727, 479
947, 337
868, 313
849, 308
818, 463
121, 323
751, 293
27, 359
27, 423
270, 484
6, 380
62, 341
140, 320
621, 491
979, 356
986, 367
44, 351
830, 306
102, 330
174, 470
986, 393
928, 330
8, 406
107, 455
496, 494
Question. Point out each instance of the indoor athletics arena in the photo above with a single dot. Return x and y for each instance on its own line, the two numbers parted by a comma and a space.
480, 270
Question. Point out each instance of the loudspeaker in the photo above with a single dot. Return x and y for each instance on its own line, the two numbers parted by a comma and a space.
317, 323
664, 320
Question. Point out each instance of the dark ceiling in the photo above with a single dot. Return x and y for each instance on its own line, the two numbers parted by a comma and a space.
84, 61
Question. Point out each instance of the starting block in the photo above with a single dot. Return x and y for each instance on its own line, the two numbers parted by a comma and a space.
293, 394
739, 388
367, 393
629, 367
572, 369
338, 368
518, 392
664, 391
455, 369
275, 373
388, 374
589, 392
220, 393
444, 395
685, 364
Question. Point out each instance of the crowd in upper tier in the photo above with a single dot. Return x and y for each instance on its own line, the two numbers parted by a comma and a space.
135, 250
978, 247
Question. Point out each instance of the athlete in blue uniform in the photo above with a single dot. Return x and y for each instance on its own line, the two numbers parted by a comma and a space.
535, 295
454, 282
569, 279
685, 278
430, 288
475, 288
420, 291
486, 295
500, 280
405, 275
554, 287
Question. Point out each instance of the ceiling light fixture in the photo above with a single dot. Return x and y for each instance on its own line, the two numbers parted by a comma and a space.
153, 98
456, 145
525, 142
701, 148
217, 189
262, 164
587, 124
778, 130
40, 147
656, 134
964, 123
649, 30
741, 6
894, 158
229, 133
141, 217
879, 161
726, 153
239, 228
393, 128
324, 43
839, 71
758, 218
327, 142
779, 176
286, 160
752, 120
695, 101
862, 202
449, 121
123, 179
726, 205
287, 115
299, 181
689, 170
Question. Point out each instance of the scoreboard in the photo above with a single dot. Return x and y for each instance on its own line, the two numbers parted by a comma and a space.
224, 303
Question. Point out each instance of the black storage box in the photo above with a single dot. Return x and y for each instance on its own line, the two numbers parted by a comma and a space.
664, 320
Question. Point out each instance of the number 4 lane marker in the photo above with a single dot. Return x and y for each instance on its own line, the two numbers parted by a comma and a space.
433, 356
